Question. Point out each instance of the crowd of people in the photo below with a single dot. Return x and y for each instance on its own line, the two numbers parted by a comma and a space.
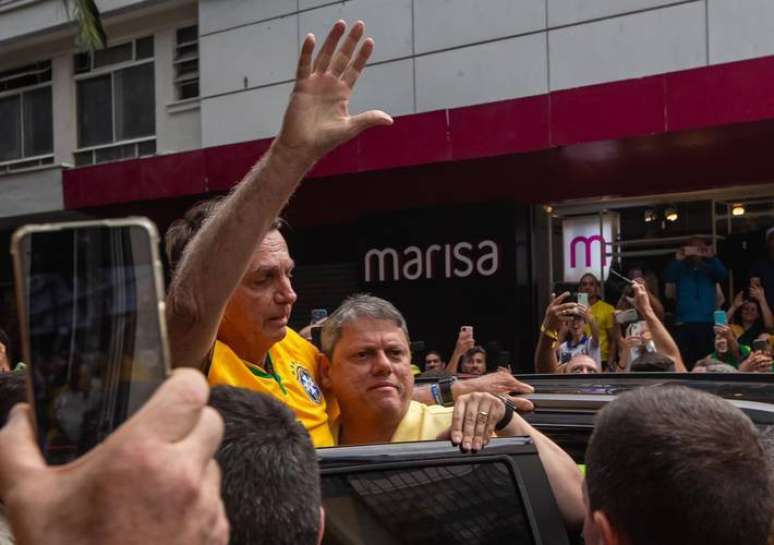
224, 450
704, 337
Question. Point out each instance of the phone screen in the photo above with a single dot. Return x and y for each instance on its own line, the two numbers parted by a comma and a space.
95, 341
720, 317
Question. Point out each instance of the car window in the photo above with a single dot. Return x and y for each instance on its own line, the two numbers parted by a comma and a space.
466, 504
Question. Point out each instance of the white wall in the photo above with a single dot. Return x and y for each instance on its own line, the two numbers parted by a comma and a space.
433, 54
178, 125
31, 192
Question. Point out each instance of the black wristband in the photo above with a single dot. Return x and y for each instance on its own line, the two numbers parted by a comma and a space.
446, 392
506, 419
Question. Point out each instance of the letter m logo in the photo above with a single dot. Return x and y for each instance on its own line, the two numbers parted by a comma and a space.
587, 242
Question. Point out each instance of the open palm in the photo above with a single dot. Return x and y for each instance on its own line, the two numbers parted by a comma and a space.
317, 119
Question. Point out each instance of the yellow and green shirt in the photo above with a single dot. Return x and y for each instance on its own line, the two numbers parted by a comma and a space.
295, 380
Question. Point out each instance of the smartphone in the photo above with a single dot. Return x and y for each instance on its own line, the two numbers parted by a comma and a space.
720, 317
760, 345
318, 314
91, 308
467, 329
624, 317
583, 299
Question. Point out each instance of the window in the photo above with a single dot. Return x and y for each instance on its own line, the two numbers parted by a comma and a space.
186, 63
27, 137
116, 102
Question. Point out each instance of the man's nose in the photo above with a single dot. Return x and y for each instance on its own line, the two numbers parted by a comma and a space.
285, 293
381, 365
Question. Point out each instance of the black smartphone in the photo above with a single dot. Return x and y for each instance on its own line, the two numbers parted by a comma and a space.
90, 299
760, 345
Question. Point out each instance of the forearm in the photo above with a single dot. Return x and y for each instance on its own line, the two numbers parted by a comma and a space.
563, 474
657, 306
218, 256
768, 319
663, 340
454, 361
545, 355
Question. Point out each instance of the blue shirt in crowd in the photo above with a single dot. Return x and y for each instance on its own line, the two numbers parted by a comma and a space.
695, 282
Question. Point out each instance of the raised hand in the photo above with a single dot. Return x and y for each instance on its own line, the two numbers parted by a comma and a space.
317, 118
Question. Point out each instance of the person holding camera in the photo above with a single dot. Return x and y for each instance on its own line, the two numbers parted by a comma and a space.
603, 315
564, 318
750, 315
694, 273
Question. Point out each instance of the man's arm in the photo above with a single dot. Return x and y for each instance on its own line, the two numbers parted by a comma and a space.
499, 382
545, 351
661, 337
316, 121
562, 472
465, 342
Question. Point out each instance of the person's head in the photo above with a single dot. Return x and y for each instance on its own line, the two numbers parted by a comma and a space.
662, 451
271, 483
474, 361
589, 284
260, 306
582, 365
366, 342
653, 362
748, 313
574, 325
6, 351
711, 365
433, 360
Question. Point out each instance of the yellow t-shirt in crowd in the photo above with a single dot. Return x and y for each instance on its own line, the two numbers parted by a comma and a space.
295, 380
420, 423
604, 315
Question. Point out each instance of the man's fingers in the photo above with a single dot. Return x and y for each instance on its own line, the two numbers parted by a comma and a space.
522, 404
204, 440
344, 54
521, 387
304, 69
353, 71
176, 407
19, 452
458, 417
469, 423
482, 419
329, 46
366, 120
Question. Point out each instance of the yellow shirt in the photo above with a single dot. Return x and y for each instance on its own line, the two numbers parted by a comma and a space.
604, 315
294, 382
420, 423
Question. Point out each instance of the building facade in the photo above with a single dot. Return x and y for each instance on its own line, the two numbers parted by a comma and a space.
512, 117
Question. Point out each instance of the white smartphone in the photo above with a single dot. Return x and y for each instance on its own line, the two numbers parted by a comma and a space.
91, 305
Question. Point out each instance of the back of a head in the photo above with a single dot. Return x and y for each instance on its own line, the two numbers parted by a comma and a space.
271, 482
675, 466
653, 362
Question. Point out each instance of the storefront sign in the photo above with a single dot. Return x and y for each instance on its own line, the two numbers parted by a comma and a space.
587, 249
459, 260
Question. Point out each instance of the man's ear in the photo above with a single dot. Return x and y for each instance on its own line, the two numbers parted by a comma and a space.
322, 525
325, 368
608, 534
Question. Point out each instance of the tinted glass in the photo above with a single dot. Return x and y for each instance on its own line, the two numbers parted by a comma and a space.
135, 104
113, 55
10, 135
144, 48
95, 338
95, 117
38, 123
465, 504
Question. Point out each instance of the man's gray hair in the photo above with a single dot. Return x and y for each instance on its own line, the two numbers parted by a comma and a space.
360, 305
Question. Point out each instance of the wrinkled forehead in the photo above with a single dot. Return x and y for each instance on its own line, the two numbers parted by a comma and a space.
272, 251
365, 330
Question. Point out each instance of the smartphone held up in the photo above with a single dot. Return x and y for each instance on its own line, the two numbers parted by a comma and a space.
90, 299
